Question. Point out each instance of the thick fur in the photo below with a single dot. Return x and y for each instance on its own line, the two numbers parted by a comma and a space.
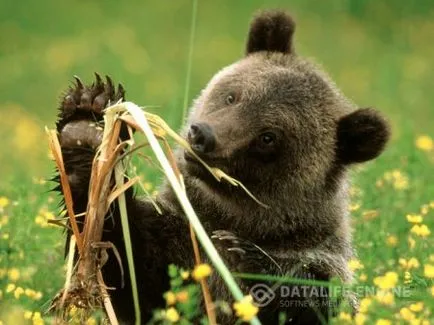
280, 126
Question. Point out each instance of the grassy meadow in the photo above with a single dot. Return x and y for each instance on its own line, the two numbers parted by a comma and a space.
379, 52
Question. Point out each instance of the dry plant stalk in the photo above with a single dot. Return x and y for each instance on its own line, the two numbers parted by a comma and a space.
84, 286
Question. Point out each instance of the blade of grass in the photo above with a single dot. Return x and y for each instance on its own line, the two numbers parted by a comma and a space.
119, 178
214, 256
69, 268
190, 60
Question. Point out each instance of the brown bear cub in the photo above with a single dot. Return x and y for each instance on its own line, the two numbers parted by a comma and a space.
277, 123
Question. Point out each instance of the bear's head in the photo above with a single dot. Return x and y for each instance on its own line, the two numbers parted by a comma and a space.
278, 124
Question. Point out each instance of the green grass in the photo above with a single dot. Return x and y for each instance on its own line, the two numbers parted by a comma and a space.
379, 53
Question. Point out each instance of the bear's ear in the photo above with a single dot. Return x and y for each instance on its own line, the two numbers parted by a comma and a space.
361, 136
271, 31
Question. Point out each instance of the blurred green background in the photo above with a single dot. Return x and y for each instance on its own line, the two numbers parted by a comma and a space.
379, 52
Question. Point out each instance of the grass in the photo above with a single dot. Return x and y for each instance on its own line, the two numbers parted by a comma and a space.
378, 53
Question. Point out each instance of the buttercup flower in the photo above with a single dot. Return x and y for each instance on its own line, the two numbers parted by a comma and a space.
360, 319
420, 230
170, 298
385, 297
172, 315
407, 314
388, 281
201, 271
428, 271
18, 292
4, 202
416, 307
425, 143
414, 218
37, 319
13, 274
355, 264
345, 316
245, 309
364, 305
412, 263
392, 240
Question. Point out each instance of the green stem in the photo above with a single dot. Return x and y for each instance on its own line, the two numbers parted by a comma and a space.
190, 60
119, 177
139, 116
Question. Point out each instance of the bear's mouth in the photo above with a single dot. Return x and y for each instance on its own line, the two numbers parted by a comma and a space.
195, 168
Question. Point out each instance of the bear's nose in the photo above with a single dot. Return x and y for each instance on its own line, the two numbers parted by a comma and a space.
201, 138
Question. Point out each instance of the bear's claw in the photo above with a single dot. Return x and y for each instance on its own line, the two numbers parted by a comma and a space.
88, 102
81, 111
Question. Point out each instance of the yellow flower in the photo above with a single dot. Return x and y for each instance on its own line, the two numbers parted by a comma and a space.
414, 218
4, 202
13, 274
345, 316
411, 242
170, 298
392, 240
420, 230
383, 321
428, 271
424, 209
4, 220
35, 295
407, 277
360, 319
363, 277
407, 314
412, 263
91, 321
424, 142
40, 220
37, 319
18, 292
172, 315
364, 305
201, 271
388, 281
416, 307
354, 264
185, 275
28, 314
10, 287
245, 309
385, 297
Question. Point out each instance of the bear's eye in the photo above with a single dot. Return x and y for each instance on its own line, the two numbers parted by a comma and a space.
267, 138
230, 99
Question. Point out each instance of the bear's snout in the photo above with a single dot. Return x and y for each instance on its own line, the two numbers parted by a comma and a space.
201, 138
